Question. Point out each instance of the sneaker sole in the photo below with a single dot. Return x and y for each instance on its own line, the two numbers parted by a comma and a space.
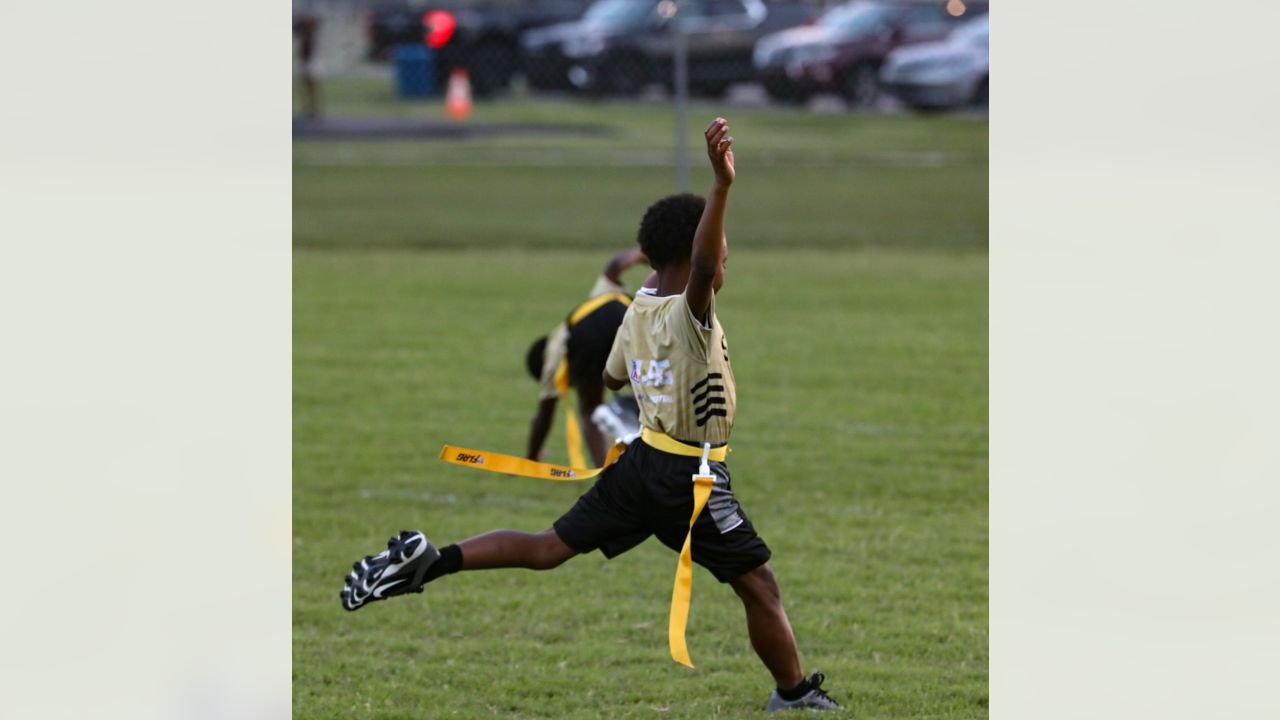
361, 593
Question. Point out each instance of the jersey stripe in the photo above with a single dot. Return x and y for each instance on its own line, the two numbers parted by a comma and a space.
718, 411
697, 399
703, 409
703, 381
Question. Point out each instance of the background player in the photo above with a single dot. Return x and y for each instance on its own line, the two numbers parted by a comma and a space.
306, 33
581, 343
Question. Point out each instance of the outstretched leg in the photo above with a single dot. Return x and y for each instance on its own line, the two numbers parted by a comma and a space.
411, 561
767, 624
514, 549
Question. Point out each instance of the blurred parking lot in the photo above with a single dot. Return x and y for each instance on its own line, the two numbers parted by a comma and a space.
882, 56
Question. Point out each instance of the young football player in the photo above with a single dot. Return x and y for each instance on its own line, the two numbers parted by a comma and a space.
672, 350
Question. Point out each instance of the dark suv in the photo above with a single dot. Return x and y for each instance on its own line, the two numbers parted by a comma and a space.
620, 46
485, 39
844, 50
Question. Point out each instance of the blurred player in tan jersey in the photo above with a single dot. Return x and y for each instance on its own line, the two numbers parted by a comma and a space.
590, 338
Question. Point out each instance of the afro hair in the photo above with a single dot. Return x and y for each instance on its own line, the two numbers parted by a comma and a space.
666, 231
533, 359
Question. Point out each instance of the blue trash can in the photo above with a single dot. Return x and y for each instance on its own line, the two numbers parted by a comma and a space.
415, 72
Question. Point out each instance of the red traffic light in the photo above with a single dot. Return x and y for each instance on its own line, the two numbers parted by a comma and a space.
440, 25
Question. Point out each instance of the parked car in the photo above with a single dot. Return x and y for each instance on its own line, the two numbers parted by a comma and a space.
844, 50
620, 46
945, 74
485, 37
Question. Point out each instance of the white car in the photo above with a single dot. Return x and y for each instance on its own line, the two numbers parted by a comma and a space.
945, 74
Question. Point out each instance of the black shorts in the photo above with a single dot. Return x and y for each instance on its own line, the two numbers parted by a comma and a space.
590, 340
650, 492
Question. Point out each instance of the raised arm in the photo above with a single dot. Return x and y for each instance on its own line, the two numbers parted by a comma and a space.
622, 262
709, 245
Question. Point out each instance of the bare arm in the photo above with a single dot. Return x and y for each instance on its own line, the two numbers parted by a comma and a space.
611, 382
709, 246
622, 262
540, 427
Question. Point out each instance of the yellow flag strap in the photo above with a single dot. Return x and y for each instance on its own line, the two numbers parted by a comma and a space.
573, 436
703, 482
668, 444
682, 592
572, 431
524, 467
594, 304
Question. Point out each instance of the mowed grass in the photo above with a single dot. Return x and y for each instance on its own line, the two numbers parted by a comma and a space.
860, 448
837, 181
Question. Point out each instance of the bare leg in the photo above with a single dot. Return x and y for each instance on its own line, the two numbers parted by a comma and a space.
514, 549
312, 88
588, 398
767, 624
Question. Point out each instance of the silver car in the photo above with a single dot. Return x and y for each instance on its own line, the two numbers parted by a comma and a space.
945, 74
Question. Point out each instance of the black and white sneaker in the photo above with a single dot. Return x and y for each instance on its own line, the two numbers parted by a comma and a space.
395, 571
815, 699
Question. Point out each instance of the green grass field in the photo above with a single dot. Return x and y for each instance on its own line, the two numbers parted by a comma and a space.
856, 306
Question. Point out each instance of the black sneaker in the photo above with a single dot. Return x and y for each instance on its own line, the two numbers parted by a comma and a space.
815, 699
395, 571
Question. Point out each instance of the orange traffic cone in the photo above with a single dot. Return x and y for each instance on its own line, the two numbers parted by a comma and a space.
458, 95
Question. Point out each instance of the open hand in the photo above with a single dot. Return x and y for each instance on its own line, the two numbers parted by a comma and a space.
719, 149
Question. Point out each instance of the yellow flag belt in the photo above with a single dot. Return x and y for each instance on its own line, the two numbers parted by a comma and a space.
703, 481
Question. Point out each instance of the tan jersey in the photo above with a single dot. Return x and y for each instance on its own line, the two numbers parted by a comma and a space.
605, 286
557, 342
558, 339
679, 369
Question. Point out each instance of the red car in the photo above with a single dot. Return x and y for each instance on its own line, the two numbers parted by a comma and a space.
843, 51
